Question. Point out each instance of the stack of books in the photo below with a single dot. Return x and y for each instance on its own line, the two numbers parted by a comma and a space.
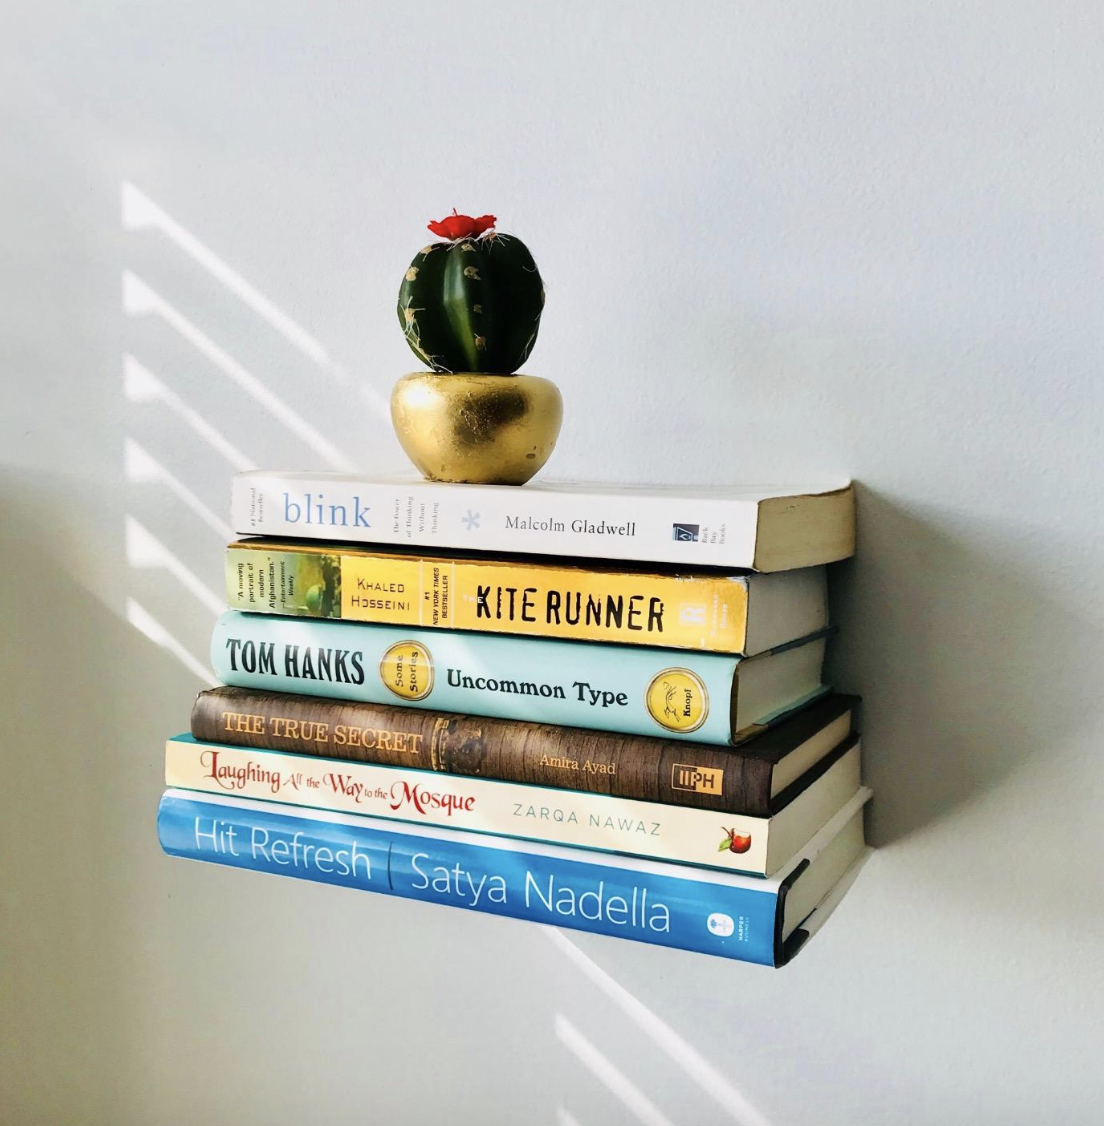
596, 707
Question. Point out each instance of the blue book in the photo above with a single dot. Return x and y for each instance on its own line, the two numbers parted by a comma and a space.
633, 690
739, 917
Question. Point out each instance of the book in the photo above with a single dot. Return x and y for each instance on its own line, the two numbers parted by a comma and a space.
738, 917
757, 527
704, 697
751, 779
717, 611
756, 846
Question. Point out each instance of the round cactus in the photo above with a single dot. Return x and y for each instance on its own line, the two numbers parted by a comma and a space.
473, 303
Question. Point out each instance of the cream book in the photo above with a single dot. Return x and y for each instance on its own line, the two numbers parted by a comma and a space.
734, 842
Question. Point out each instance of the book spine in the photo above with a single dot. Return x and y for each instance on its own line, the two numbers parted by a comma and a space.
538, 813
697, 611
658, 904
631, 690
652, 770
648, 528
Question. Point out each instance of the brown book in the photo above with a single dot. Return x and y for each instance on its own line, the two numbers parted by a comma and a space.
749, 779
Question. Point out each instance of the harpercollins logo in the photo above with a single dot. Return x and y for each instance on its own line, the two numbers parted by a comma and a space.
720, 924
685, 532
696, 778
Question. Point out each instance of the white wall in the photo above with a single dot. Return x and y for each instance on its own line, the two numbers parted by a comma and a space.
780, 242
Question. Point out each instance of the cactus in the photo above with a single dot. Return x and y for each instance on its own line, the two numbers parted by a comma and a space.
473, 303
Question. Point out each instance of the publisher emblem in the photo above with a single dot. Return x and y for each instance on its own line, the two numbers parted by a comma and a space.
677, 700
407, 670
735, 841
720, 924
685, 532
698, 779
692, 613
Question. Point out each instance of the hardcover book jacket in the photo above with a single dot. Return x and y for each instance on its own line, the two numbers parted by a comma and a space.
719, 779
732, 842
632, 690
540, 599
734, 919
702, 527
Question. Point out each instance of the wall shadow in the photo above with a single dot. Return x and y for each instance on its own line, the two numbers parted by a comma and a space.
85, 700
967, 665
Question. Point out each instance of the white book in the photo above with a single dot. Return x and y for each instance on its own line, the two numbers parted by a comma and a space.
755, 527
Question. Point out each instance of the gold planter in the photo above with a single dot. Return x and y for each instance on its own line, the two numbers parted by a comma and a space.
480, 429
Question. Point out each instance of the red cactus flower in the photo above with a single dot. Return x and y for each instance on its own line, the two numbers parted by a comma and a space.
461, 226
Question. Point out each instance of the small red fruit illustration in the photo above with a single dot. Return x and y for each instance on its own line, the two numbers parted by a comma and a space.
734, 841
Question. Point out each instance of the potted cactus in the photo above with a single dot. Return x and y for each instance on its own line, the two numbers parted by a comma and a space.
470, 307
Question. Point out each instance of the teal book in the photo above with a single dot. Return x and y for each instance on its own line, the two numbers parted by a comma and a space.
696, 696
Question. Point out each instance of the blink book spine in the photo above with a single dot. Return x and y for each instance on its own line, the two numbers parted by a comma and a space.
709, 912
649, 527
705, 611
654, 770
633, 691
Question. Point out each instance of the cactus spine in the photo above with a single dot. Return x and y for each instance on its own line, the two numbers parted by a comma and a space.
472, 304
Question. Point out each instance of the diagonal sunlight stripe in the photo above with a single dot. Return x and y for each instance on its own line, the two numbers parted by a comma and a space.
140, 385
564, 1117
146, 623
139, 211
141, 467
736, 1105
139, 299
376, 401
144, 551
614, 1080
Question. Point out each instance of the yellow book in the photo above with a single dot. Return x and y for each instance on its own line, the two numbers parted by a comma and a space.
718, 612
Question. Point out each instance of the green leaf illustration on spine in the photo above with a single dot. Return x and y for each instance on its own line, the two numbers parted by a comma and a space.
470, 309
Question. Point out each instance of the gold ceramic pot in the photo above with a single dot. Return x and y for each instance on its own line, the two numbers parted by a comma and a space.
482, 429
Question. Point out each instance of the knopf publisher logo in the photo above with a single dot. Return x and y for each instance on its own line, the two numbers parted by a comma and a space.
677, 700
688, 532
